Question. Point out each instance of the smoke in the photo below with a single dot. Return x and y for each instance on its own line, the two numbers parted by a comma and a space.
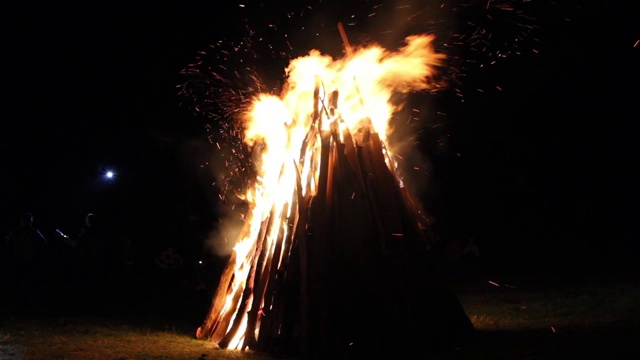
406, 139
226, 177
221, 240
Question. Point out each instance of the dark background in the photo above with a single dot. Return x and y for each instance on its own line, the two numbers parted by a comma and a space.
529, 149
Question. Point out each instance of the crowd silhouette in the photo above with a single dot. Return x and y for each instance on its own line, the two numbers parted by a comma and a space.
94, 268
39, 269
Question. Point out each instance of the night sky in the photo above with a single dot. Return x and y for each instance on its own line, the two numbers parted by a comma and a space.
530, 148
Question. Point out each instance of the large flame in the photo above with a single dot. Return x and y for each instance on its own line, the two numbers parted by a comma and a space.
283, 131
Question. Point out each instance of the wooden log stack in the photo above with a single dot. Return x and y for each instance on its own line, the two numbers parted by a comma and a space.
350, 274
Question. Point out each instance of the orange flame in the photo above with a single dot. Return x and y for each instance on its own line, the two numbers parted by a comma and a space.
283, 128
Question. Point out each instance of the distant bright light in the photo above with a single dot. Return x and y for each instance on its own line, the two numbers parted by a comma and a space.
109, 174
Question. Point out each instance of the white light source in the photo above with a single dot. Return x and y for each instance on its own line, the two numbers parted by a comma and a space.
109, 174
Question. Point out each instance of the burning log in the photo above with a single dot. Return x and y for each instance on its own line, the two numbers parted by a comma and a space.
340, 264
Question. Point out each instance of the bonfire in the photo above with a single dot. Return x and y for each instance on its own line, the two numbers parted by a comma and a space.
334, 255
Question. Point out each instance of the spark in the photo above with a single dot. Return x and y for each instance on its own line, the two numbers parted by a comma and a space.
491, 32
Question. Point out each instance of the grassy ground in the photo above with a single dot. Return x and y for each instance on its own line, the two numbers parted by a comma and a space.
563, 320
515, 320
90, 338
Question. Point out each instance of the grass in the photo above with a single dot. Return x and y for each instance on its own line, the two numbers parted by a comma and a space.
554, 309
86, 338
592, 318
587, 321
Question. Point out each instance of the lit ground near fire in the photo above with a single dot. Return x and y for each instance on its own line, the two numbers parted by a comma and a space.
586, 320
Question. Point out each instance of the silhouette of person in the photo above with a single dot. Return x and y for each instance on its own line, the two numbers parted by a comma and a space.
453, 258
454, 252
471, 253
26, 247
127, 255
127, 263
93, 257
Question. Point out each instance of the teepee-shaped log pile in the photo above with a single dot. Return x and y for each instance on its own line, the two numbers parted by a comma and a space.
349, 272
